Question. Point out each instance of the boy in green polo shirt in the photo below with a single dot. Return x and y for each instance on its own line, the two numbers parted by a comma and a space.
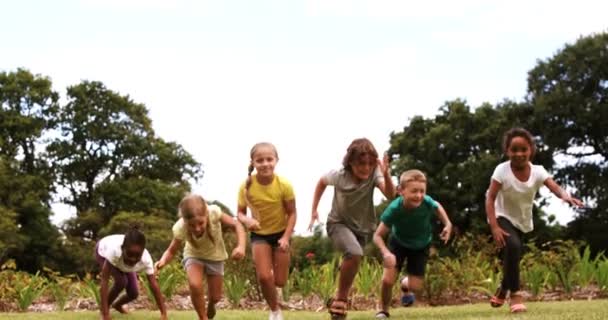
408, 218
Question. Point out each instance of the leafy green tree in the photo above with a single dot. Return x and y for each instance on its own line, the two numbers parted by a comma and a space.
28, 107
10, 239
109, 160
569, 92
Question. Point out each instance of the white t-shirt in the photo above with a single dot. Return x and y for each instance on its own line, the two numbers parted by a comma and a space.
515, 198
110, 248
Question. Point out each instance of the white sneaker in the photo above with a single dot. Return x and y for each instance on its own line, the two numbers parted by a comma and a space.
275, 315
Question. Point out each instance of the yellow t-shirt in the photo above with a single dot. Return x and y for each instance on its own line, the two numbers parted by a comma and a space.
205, 248
267, 201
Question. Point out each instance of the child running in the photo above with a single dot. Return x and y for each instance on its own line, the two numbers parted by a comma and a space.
272, 203
352, 219
509, 203
408, 219
122, 256
200, 229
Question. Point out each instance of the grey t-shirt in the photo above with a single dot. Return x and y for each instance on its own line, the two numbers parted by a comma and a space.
353, 203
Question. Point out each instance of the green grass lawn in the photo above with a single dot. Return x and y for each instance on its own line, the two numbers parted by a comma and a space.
588, 310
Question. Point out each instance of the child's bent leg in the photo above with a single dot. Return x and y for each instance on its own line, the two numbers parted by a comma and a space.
214, 292
348, 271
195, 273
130, 282
120, 282
280, 266
347, 242
262, 258
415, 283
511, 256
388, 280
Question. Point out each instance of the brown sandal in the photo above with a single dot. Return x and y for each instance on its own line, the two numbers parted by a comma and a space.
337, 308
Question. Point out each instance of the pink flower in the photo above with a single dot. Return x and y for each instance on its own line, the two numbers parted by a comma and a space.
310, 256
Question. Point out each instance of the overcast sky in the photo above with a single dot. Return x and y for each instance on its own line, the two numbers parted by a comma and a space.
308, 76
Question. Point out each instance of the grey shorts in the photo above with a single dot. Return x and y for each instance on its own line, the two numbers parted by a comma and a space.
212, 268
345, 240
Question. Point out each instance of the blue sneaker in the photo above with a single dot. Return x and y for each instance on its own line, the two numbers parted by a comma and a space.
407, 299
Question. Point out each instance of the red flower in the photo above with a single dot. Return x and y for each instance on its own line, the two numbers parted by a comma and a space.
310, 256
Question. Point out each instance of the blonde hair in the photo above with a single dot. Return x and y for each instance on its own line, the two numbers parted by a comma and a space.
411, 176
192, 206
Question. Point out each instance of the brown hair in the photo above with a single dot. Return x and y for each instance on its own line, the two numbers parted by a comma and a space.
411, 176
192, 206
518, 132
358, 149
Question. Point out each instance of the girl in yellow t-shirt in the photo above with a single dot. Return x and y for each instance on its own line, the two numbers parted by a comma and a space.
272, 203
200, 228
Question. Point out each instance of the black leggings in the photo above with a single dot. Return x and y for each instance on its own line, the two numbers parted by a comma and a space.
511, 255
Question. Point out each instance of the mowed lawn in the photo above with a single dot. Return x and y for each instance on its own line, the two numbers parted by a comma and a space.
596, 309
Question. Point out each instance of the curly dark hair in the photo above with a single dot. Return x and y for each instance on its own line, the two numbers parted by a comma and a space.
518, 132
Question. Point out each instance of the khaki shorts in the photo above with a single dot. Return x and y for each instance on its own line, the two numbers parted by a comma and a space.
212, 268
345, 240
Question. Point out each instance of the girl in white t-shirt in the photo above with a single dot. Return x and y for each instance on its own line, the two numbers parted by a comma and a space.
200, 231
509, 203
121, 256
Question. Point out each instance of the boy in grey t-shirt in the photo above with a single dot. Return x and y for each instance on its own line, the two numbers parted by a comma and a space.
352, 220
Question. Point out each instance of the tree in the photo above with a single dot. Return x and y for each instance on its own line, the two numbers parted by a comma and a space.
569, 93
109, 160
28, 108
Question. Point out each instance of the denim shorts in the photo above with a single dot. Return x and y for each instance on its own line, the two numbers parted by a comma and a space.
211, 267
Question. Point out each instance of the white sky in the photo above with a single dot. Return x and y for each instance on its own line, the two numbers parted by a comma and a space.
309, 76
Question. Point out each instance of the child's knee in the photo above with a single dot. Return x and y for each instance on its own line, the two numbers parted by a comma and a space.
132, 294
265, 278
196, 289
388, 281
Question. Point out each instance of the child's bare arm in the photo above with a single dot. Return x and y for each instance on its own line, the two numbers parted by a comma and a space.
249, 223
105, 277
387, 255
319, 189
158, 296
239, 251
561, 193
497, 232
387, 186
290, 210
168, 255
447, 224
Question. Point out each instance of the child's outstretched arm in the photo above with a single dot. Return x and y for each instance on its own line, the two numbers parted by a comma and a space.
561, 193
447, 224
314, 216
168, 254
387, 187
388, 257
497, 232
158, 296
104, 308
239, 251
290, 210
